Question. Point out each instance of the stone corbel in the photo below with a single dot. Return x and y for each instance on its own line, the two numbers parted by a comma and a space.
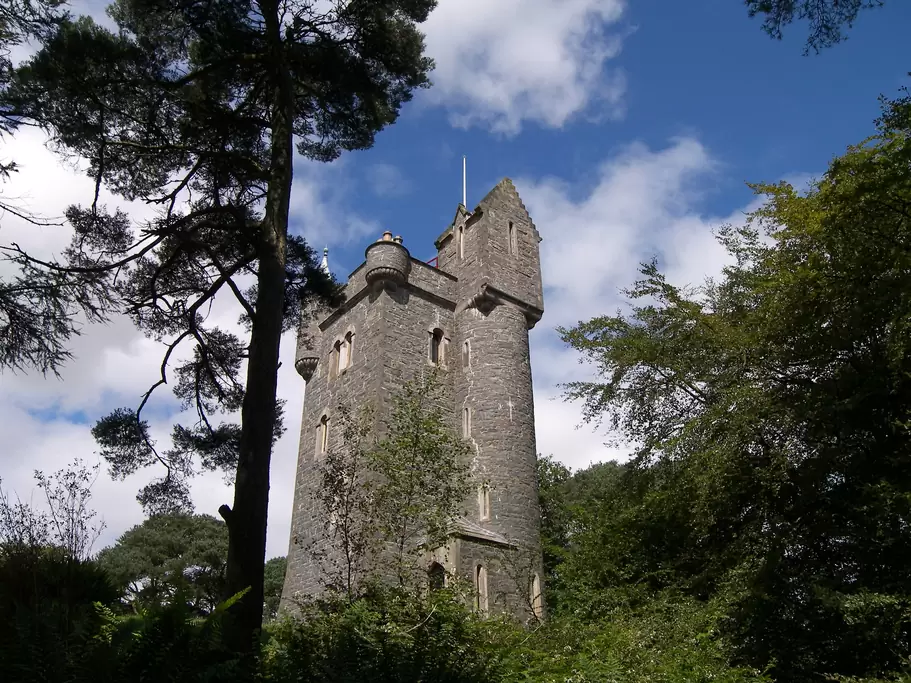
485, 301
306, 366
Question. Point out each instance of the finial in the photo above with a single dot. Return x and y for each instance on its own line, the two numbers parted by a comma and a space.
324, 264
397, 239
387, 236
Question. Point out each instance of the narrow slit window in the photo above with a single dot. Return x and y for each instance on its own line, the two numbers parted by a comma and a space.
481, 589
335, 361
461, 242
513, 241
437, 347
349, 349
466, 422
322, 435
484, 502
466, 354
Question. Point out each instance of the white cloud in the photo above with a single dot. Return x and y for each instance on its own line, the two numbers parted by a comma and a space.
640, 204
46, 421
387, 181
499, 64
321, 199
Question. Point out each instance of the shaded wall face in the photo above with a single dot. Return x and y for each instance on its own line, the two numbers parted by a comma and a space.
325, 392
392, 332
508, 576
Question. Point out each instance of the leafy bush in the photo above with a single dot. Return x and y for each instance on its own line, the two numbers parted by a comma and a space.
667, 640
388, 636
49, 615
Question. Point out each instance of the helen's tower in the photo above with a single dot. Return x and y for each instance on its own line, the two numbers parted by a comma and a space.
470, 315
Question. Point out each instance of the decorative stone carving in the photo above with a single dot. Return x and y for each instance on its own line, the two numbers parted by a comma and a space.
306, 366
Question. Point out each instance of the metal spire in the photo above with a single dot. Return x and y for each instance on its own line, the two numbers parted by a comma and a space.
464, 195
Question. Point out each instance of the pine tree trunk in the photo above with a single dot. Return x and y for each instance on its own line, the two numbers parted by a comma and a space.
247, 521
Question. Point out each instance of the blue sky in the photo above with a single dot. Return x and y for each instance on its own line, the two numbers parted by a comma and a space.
629, 128
701, 69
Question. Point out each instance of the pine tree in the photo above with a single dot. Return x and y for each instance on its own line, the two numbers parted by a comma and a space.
196, 108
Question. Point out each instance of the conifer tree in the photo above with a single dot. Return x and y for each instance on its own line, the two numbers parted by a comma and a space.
196, 108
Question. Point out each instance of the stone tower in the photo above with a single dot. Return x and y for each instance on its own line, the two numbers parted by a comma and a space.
470, 315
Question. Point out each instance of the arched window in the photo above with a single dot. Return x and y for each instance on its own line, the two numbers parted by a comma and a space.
481, 589
513, 240
348, 348
461, 241
436, 576
466, 422
537, 600
484, 502
466, 354
322, 435
335, 362
437, 347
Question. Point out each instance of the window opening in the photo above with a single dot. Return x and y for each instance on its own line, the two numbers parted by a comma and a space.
437, 576
336, 359
461, 240
484, 502
466, 422
349, 350
436, 347
513, 242
322, 436
481, 589
537, 600
466, 354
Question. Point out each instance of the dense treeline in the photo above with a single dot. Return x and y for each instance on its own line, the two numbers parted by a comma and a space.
771, 481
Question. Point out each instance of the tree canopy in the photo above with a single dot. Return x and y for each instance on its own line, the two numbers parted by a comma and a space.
197, 109
770, 412
170, 556
825, 19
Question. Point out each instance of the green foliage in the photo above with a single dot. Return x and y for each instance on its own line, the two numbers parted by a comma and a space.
390, 499
49, 619
387, 636
170, 556
551, 478
826, 19
273, 582
669, 640
770, 413
421, 469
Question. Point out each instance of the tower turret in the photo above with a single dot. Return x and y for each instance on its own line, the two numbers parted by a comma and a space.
388, 262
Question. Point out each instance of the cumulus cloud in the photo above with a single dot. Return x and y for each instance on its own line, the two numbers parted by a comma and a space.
386, 180
642, 203
321, 200
499, 64
46, 420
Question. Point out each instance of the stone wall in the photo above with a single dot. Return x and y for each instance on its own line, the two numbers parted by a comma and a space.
393, 327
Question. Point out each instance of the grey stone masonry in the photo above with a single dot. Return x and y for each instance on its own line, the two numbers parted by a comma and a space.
480, 301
